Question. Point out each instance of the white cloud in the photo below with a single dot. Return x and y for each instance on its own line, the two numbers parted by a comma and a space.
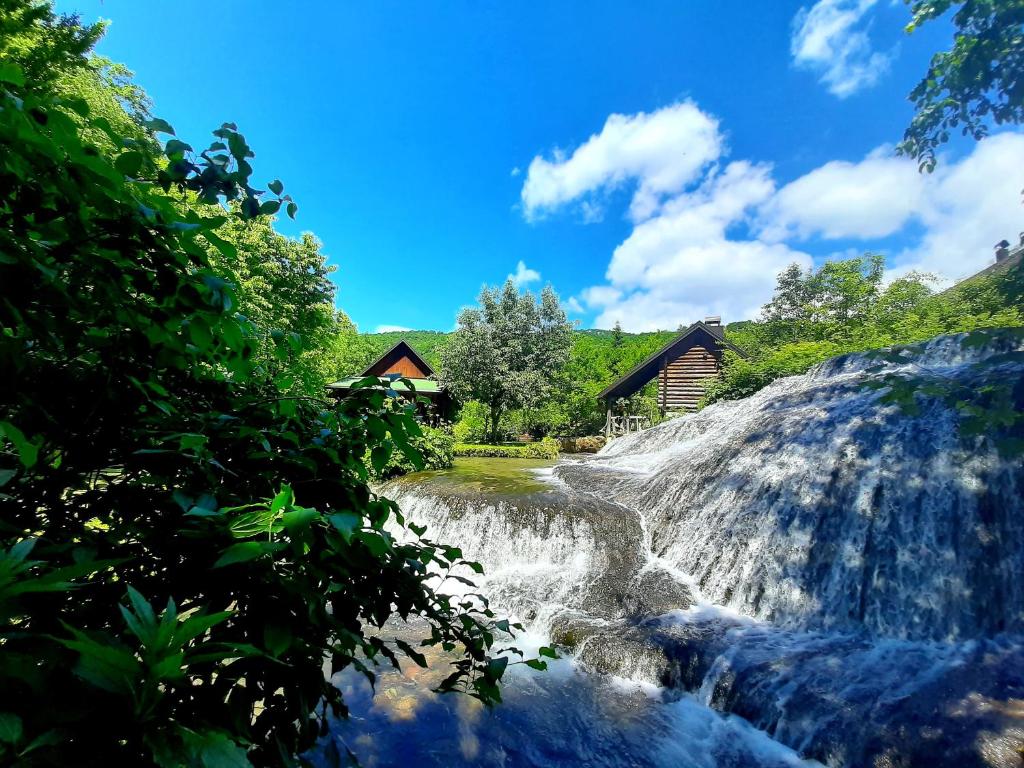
574, 306
830, 38
682, 266
662, 151
390, 328
968, 207
963, 208
524, 275
872, 198
714, 243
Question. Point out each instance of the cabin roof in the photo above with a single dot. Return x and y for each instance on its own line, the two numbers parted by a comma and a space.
635, 379
405, 348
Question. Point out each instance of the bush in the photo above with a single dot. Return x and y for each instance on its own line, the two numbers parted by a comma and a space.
164, 598
436, 449
743, 377
542, 449
471, 426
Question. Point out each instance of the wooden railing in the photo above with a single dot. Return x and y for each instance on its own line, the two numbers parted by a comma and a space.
616, 426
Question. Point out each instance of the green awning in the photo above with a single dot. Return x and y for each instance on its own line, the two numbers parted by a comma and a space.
422, 386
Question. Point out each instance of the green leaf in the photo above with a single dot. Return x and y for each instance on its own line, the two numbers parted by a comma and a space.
22, 549
10, 728
379, 457
496, 667
11, 73
141, 605
346, 523
548, 651
222, 245
45, 739
156, 125
28, 451
412, 653
292, 209
105, 665
176, 147
374, 541
241, 552
276, 186
300, 517
194, 626
199, 333
129, 163
216, 750
536, 664
277, 639
282, 500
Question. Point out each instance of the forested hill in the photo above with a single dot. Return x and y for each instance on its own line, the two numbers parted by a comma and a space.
635, 346
844, 306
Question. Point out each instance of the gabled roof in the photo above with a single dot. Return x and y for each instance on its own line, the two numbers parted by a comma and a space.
406, 349
636, 378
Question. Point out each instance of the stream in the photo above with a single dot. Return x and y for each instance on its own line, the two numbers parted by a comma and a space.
809, 575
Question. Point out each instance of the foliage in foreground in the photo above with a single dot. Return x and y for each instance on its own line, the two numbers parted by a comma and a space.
181, 542
542, 449
977, 83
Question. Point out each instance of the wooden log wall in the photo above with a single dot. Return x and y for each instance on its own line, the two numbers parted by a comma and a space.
680, 383
403, 366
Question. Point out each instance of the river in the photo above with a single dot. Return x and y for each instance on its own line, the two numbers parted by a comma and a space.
810, 574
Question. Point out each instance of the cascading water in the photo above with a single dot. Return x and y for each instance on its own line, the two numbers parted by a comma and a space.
814, 505
843, 575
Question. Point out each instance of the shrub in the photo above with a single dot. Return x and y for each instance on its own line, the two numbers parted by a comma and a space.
471, 426
164, 598
542, 449
436, 449
743, 377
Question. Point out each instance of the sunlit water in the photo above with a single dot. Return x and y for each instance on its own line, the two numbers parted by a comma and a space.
806, 573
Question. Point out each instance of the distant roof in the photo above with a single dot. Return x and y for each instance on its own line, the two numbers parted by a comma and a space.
421, 385
635, 379
406, 347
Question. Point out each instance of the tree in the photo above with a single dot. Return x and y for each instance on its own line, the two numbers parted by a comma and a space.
792, 296
181, 542
44, 45
348, 352
977, 83
507, 352
844, 307
813, 304
284, 289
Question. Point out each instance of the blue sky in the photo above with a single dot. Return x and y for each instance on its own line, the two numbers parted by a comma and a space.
655, 162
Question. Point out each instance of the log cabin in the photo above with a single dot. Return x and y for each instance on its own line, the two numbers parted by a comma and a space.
402, 361
681, 368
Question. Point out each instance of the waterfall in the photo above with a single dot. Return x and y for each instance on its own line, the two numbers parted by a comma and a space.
839, 571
